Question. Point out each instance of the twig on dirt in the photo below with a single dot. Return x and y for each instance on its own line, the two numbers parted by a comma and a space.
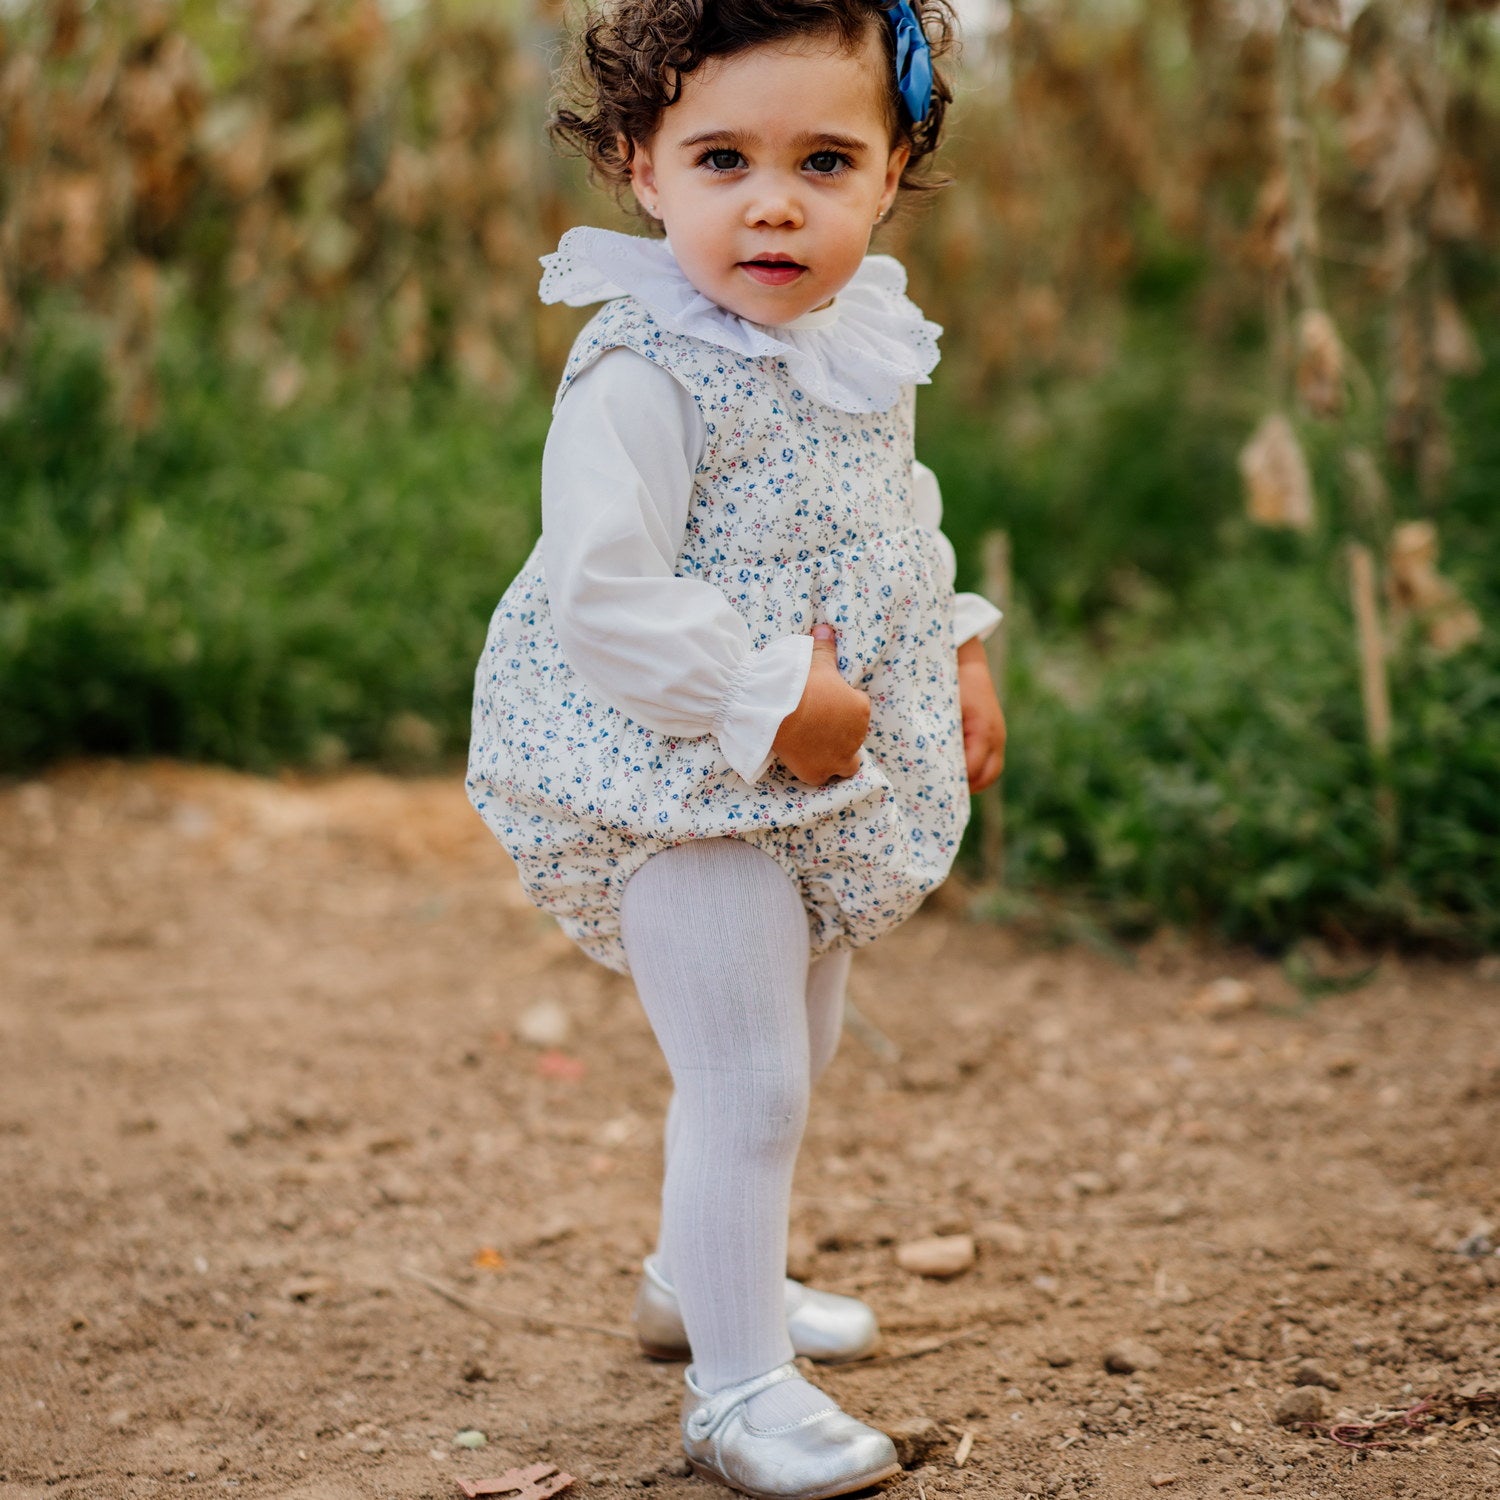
499, 1316
874, 1201
917, 1351
1399, 1429
965, 1447
870, 1034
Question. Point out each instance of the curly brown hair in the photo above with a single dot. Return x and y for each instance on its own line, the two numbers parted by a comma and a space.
627, 65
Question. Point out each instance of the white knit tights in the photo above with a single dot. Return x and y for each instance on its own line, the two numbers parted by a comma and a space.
716, 936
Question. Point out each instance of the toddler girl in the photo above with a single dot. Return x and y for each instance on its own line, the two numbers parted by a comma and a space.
726, 713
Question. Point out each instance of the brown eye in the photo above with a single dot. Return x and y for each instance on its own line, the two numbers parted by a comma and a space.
722, 161
827, 163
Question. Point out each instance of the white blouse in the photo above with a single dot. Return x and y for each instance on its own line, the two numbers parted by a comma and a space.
672, 653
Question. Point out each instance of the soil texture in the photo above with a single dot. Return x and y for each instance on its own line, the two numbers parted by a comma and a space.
319, 1148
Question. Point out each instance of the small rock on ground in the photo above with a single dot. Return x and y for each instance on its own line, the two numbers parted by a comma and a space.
544, 1024
1310, 1372
941, 1256
916, 1439
1306, 1403
1130, 1355
1221, 998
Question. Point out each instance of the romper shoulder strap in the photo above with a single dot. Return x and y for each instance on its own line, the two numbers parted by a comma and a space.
625, 323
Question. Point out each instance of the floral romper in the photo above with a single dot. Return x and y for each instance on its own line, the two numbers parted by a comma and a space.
801, 513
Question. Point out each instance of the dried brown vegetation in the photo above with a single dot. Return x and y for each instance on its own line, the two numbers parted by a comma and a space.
384, 182
397, 178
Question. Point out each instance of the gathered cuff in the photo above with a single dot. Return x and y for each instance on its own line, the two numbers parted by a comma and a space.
974, 617
767, 686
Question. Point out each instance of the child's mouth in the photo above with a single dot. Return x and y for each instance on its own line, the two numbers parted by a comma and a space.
772, 272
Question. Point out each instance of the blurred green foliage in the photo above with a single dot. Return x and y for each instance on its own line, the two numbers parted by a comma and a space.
1188, 739
248, 586
1217, 775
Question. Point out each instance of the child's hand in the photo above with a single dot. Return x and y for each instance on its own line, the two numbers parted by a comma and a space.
984, 721
820, 740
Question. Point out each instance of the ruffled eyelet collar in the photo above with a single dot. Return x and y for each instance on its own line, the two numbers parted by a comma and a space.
855, 355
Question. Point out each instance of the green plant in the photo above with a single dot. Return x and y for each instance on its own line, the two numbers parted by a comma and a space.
250, 586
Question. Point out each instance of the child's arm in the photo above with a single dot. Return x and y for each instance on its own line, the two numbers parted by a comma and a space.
671, 652
974, 617
984, 720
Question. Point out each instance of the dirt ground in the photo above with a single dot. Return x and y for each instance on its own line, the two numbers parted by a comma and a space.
281, 1064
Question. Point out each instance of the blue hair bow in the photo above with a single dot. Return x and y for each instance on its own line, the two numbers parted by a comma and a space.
913, 61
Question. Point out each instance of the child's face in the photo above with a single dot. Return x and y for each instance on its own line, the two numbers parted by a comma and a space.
783, 150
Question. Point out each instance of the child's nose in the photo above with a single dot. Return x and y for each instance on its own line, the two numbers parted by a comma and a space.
774, 206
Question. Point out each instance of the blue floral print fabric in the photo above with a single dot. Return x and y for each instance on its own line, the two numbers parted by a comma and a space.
801, 513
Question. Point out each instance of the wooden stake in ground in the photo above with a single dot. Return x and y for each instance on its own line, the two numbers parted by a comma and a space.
996, 560
1373, 682
1374, 687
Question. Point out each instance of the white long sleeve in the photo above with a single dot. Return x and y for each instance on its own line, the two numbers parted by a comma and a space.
973, 615
672, 653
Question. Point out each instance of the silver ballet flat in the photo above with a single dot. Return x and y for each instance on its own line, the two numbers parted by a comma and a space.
822, 1325
822, 1455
